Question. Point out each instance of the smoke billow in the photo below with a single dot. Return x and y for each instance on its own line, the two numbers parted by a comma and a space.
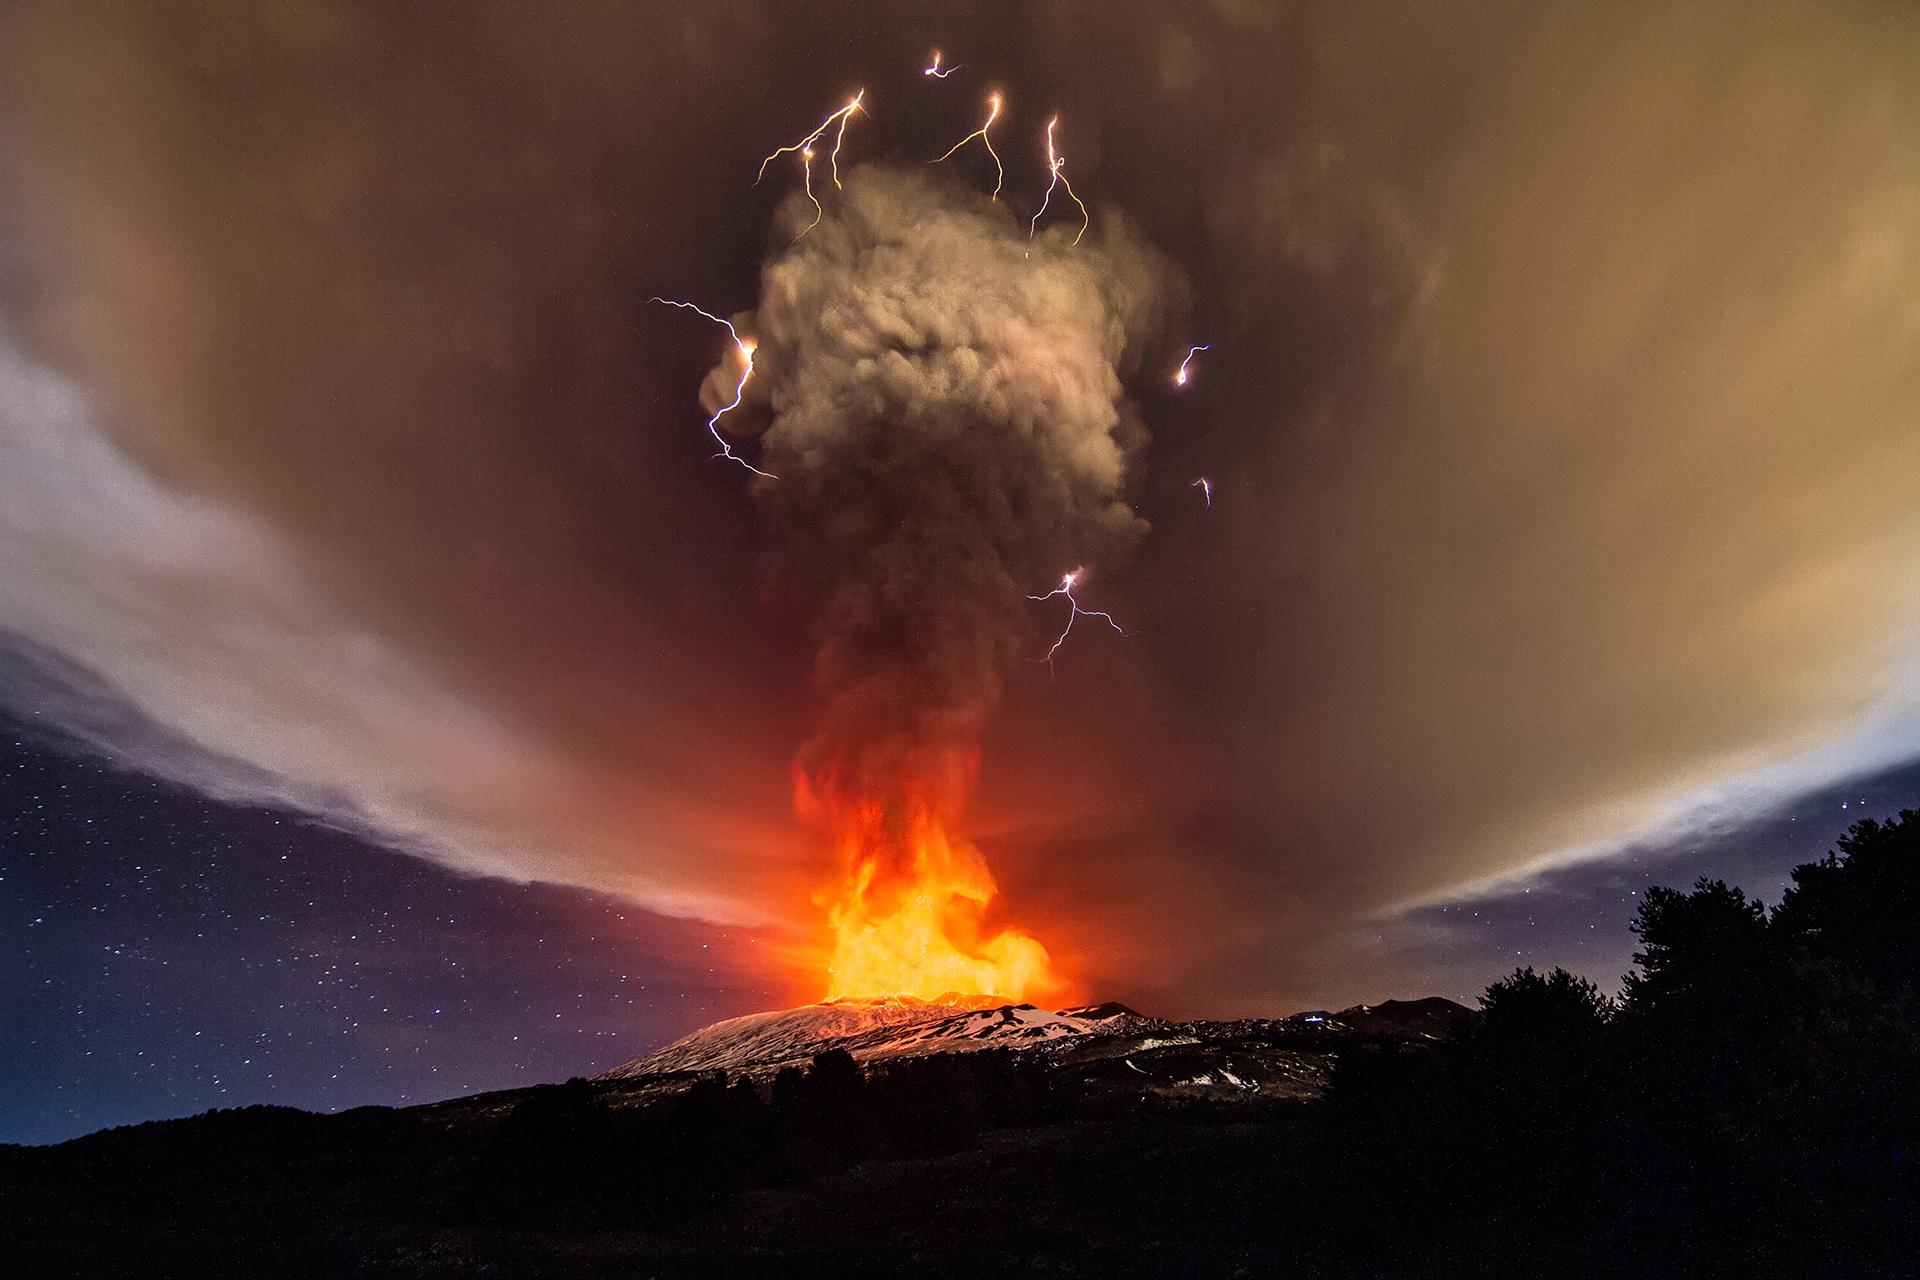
950, 433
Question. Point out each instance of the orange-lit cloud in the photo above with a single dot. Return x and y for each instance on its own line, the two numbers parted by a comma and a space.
1560, 416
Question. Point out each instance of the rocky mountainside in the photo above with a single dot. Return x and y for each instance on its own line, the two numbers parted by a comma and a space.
1107, 1048
889, 1026
793, 1035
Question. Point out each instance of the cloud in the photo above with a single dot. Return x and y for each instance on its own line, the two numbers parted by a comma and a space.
951, 434
1572, 487
1560, 414
184, 638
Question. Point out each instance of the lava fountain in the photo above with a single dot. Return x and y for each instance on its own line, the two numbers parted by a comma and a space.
908, 905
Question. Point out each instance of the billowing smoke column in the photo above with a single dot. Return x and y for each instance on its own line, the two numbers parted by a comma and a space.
947, 424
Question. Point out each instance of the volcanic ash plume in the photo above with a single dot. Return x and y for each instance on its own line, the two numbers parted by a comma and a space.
948, 433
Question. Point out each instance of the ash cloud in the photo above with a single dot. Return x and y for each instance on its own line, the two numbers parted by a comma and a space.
948, 425
1560, 411
319, 447
1563, 487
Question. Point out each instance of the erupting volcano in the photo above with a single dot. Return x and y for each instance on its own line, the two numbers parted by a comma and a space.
944, 431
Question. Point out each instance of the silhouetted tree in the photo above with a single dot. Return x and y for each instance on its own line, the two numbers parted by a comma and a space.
1527, 1112
1702, 954
1856, 912
1559, 1013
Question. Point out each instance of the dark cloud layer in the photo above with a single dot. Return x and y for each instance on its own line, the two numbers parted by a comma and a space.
1561, 414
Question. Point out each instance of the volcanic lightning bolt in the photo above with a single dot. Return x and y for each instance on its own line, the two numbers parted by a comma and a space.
805, 149
933, 68
1068, 582
993, 113
744, 349
1181, 376
806, 187
1056, 163
1205, 486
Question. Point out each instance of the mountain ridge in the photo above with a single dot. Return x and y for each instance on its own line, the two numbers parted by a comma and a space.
885, 1028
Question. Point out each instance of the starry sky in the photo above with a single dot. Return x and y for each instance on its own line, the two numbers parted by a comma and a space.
167, 953
378, 635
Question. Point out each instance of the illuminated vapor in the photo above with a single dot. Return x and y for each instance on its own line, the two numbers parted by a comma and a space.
1206, 488
744, 349
993, 113
1067, 583
1057, 178
933, 68
1181, 377
805, 149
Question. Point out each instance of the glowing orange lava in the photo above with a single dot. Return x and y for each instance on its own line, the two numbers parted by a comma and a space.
908, 910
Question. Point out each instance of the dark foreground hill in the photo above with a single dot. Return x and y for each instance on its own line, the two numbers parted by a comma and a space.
1002, 1140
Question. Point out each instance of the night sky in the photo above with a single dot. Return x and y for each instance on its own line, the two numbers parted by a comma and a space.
167, 953
391, 670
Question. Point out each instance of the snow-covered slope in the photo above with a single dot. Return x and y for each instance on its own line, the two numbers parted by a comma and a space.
791, 1035
1010, 1026
1261, 1054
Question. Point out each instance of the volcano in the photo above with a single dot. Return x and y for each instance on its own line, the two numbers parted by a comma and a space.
1107, 1047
